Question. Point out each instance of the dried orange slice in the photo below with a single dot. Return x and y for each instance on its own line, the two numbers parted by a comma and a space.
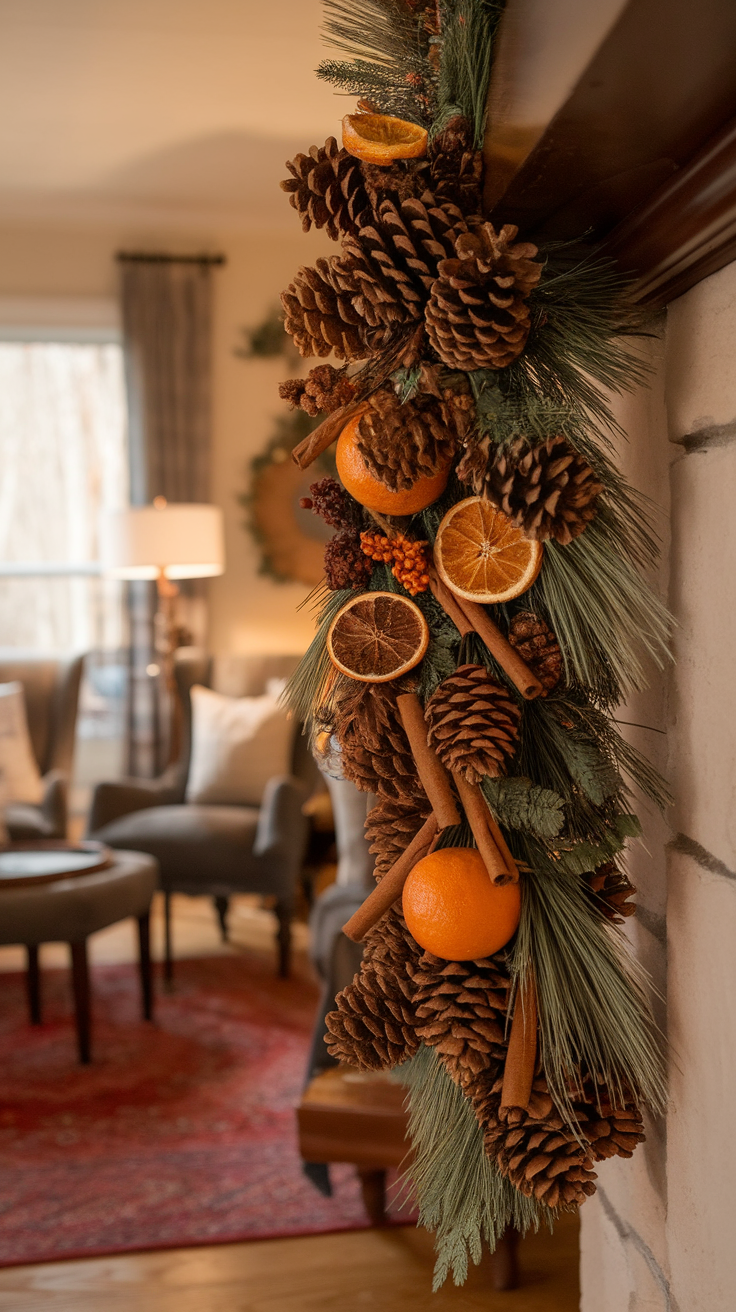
482, 556
379, 139
377, 636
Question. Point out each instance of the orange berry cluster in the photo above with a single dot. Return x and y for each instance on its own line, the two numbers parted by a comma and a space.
409, 558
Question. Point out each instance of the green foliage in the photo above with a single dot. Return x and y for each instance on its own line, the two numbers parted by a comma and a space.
307, 685
389, 45
593, 1010
468, 30
461, 1195
517, 803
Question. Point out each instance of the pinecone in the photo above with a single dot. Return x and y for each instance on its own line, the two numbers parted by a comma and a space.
402, 180
456, 169
390, 827
345, 562
549, 491
534, 1148
612, 889
374, 1026
376, 752
477, 316
461, 1011
538, 646
401, 443
324, 390
326, 189
473, 723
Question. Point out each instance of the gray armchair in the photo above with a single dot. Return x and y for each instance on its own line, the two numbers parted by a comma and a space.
51, 688
216, 850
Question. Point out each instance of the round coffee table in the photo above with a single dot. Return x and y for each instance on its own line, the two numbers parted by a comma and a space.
68, 910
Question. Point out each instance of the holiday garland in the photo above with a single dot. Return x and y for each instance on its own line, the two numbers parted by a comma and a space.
483, 615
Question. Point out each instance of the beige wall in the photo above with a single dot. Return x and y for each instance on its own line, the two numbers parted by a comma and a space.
248, 612
658, 1236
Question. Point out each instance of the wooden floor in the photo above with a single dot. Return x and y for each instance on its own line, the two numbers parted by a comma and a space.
387, 1270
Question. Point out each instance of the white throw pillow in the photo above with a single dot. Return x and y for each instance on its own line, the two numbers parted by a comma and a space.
238, 744
18, 769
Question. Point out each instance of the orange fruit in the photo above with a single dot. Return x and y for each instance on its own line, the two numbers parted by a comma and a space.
482, 556
377, 636
379, 139
454, 911
358, 480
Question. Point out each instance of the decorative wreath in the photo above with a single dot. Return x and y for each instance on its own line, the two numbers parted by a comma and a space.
483, 614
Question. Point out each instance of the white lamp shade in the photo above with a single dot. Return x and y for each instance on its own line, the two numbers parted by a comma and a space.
185, 541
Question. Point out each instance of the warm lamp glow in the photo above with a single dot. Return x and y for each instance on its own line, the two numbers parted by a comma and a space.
181, 541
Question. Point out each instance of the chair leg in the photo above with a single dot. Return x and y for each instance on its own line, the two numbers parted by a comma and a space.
144, 939
222, 905
283, 936
373, 1189
168, 958
33, 983
80, 980
504, 1263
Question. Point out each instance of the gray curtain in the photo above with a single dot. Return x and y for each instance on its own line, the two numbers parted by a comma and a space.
167, 328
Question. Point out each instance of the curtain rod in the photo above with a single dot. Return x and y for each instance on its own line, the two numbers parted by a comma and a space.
146, 257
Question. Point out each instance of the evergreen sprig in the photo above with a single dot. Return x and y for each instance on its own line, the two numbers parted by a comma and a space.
390, 66
468, 30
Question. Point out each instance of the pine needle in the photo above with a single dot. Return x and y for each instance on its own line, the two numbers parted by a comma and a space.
468, 29
460, 1193
389, 65
308, 683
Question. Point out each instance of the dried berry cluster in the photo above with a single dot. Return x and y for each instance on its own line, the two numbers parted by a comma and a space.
324, 390
407, 557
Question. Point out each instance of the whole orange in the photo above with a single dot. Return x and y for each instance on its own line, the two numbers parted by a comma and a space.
371, 492
454, 911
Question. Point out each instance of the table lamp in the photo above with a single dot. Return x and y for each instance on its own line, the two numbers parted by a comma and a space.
164, 542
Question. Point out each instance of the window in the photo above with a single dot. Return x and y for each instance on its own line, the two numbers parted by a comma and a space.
63, 464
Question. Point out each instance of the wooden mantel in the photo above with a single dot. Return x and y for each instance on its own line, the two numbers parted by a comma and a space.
641, 155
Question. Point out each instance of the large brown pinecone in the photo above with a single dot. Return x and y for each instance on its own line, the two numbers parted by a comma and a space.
534, 1148
612, 889
321, 318
549, 491
538, 646
374, 1024
326, 189
473, 723
401, 443
390, 827
375, 749
460, 1008
477, 316
456, 169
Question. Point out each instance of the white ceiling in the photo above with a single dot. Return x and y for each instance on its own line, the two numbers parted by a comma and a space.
178, 109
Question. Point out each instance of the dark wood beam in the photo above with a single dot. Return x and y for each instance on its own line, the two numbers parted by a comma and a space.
642, 153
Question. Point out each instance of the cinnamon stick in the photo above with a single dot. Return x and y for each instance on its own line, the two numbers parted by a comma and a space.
318, 441
449, 603
433, 775
478, 816
508, 658
390, 887
521, 1057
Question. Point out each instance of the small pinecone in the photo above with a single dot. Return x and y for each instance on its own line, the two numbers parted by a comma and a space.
461, 1011
390, 827
405, 179
375, 749
328, 499
612, 890
473, 723
401, 443
346, 565
478, 316
323, 390
538, 646
374, 1026
326, 189
535, 1149
549, 491
611, 1131
321, 318
456, 168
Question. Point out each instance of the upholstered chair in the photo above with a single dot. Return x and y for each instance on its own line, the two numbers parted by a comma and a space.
216, 850
51, 690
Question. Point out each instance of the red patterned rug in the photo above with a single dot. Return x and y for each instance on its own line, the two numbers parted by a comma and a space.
179, 1133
